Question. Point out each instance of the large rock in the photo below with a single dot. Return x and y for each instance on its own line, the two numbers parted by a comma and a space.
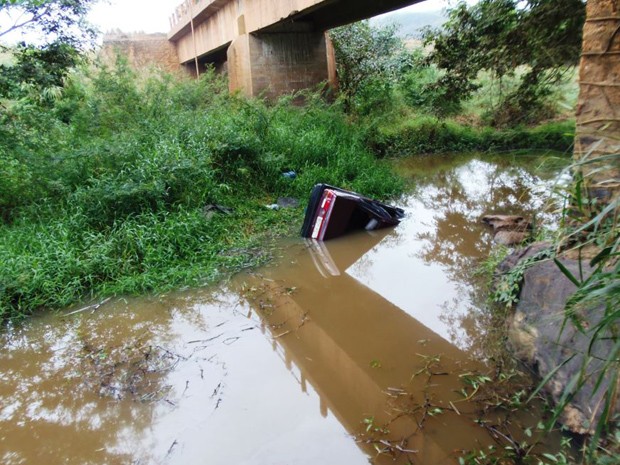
540, 336
508, 230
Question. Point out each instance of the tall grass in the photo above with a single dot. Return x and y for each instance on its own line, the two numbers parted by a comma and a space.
594, 309
428, 134
106, 185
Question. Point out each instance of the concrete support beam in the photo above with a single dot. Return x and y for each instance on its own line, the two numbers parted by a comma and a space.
279, 63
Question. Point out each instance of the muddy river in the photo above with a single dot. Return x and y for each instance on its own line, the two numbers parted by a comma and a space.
369, 348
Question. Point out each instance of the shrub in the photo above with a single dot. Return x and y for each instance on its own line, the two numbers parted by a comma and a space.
107, 186
424, 135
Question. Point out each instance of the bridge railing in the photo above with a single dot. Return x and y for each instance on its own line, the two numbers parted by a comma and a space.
182, 13
198, 10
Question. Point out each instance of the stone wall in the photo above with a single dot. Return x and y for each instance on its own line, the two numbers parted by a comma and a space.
142, 50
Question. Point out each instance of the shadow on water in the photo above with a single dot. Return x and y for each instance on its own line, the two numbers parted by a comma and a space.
339, 351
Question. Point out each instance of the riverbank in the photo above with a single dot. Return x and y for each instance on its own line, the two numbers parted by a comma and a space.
429, 135
126, 185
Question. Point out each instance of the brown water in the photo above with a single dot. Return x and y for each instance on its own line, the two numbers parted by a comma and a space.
335, 353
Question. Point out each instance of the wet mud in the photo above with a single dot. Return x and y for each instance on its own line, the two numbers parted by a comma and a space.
369, 348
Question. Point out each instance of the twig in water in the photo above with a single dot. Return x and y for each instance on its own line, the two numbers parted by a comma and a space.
88, 307
283, 334
454, 408
205, 340
171, 447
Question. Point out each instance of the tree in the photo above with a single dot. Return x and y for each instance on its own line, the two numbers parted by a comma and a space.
367, 58
501, 36
57, 34
49, 21
598, 126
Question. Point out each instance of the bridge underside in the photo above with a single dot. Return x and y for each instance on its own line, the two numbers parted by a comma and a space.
333, 13
275, 48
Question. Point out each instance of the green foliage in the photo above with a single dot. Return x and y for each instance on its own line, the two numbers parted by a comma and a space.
59, 34
369, 60
427, 134
500, 36
36, 68
420, 91
508, 286
107, 183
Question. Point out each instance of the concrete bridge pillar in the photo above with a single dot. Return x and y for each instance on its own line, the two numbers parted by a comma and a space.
597, 140
275, 64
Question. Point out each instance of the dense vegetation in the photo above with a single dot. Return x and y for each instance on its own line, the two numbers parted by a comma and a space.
105, 185
406, 105
542, 38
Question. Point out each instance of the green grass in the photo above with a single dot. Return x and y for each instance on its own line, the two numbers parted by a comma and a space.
107, 184
428, 134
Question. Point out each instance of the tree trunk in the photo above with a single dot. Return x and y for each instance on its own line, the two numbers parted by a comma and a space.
597, 141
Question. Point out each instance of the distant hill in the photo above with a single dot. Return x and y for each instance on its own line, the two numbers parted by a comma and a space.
410, 24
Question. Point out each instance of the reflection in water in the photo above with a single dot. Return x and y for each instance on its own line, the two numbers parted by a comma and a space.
227, 399
427, 266
286, 366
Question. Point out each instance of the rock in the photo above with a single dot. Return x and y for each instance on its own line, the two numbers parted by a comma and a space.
510, 238
539, 336
508, 230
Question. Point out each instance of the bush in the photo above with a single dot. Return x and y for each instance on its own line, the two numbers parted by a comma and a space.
107, 186
424, 135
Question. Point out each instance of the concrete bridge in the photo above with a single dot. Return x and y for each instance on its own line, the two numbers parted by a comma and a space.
274, 47
269, 47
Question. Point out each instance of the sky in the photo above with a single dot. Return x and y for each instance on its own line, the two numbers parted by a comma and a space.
133, 15
152, 15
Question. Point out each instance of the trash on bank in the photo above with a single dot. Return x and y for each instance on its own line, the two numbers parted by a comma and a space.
332, 212
283, 202
288, 202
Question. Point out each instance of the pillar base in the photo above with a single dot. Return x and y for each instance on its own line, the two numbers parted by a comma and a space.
275, 64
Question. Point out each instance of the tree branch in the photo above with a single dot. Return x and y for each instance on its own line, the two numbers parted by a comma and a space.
33, 19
